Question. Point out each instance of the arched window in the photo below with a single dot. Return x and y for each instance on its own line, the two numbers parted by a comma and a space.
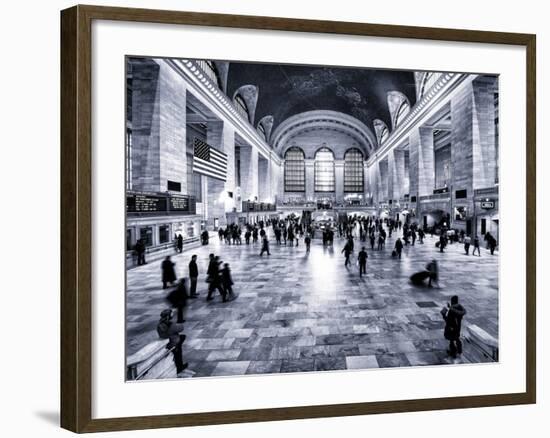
295, 170
261, 131
402, 112
384, 135
429, 80
240, 106
324, 170
209, 68
353, 171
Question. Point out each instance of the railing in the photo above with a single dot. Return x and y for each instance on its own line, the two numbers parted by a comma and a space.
435, 197
257, 206
486, 191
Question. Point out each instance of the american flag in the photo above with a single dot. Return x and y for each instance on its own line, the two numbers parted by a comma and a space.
209, 161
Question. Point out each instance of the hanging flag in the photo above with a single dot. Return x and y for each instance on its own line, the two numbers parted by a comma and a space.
209, 161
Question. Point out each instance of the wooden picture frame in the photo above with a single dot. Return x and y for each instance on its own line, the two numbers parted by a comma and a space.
76, 218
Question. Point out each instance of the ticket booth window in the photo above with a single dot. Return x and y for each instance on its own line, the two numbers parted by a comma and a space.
164, 233
146, 235
129, 244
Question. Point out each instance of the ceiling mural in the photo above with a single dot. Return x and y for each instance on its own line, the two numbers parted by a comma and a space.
287, 90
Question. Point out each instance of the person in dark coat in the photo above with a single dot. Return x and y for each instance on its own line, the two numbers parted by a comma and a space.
168, 272
193, 276
204, 237
493, 245
442, 241
433, 271
398, 247
362, 258
227, 281
213, 278
307, 241
347, 253
168, 329
453, 314
139, 248
178, 299
476, 246
180, 243
265, 246
492, 242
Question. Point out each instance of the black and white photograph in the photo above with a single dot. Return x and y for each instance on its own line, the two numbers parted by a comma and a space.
302, 218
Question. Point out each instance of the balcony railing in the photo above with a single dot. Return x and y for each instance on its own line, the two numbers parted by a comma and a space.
248, 206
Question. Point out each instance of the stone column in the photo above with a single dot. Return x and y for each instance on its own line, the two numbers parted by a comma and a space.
158, 127
145, 125
398, 180
391, 176
339, 180
249, 173
275, 190
280, 182
421, 144
264, 176
172, 127
366, 182
462, 140
484, 147
383, 180
310, 179
218, 136
373, 183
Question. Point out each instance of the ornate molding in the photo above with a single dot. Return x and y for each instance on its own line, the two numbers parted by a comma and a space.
323, 120
203, 86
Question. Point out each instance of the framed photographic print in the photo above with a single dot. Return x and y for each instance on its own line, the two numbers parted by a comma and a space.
268, 218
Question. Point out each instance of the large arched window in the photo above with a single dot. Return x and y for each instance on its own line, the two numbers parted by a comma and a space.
353, 171
240, 105
429, 80
402, 112
261, 131
384, 135
295, 170
324, 170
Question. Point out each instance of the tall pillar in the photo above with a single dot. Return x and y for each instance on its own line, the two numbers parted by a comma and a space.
383, 180
172, 129
310, 179
249, 173
391, 176
275, 189
280, 182
339, 180
366, 182
222, 137
158, 122
484, 145
398, 180
264, 177
462, 141
145, 125
421, 144
373, 183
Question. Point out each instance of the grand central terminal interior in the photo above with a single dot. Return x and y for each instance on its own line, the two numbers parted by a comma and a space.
340, 217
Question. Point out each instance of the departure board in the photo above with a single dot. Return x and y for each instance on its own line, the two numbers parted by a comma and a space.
149, 203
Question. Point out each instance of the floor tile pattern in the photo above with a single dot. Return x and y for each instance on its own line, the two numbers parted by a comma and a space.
299, 312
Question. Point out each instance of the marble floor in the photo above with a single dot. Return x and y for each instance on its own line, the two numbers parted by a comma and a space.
298, 312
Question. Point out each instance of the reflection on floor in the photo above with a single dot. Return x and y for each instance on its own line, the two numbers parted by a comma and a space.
306, 312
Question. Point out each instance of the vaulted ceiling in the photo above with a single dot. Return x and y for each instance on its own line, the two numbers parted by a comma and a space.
287, 90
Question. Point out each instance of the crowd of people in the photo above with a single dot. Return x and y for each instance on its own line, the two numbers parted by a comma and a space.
370, 231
